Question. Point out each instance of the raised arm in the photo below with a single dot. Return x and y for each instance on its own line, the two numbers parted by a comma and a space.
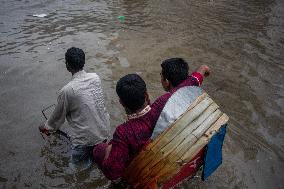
198, 75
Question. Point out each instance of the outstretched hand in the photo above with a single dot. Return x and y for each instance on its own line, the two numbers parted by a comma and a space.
204, 70
43, 130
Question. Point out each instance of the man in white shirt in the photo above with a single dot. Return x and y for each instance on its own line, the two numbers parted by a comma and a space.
81, 102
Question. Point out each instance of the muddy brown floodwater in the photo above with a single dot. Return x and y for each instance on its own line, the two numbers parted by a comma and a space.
241, 40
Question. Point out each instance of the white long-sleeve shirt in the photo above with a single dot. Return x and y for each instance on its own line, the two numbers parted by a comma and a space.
81, 102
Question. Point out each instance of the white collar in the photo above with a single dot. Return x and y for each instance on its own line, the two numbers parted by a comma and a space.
139, 114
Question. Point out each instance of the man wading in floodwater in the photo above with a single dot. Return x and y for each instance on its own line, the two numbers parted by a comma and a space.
81, 101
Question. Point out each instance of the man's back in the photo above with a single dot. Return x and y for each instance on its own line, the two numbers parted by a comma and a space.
83, 101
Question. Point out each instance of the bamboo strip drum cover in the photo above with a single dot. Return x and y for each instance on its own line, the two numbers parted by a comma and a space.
165, 156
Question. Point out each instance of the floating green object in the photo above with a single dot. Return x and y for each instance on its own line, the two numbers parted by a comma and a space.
121, 18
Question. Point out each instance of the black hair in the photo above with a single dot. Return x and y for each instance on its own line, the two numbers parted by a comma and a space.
131, 90
75, 58
175, 70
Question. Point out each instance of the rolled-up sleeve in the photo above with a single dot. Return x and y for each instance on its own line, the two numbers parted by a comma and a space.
58, 116
198, 76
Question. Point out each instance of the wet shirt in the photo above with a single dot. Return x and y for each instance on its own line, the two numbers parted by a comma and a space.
81, 102
130, 137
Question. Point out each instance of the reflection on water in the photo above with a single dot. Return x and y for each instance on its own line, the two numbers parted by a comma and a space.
242, 41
